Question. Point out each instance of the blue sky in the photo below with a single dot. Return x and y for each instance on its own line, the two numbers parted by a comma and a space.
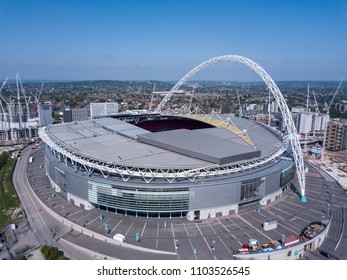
162, 40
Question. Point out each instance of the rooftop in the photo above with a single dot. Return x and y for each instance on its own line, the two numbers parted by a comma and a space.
113, 140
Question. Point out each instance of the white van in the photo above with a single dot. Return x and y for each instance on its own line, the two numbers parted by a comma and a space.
119, 237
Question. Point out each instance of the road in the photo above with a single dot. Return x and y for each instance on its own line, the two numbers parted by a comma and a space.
38, 218
47, 230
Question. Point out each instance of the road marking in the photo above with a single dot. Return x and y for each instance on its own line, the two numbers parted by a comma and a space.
173, 234
281, 211
296, 205
240, 230
210, 248
198, 229
129, 228
287, 228
261, 222
222, 240
60, 205
174, 241
223, 225
185, 229
156, 243
254, 228
116, 226
319, 212
76, 212
91, 221
83, 216
211, 227
225, 244
143, 230
303, 219
191, 244
103, 224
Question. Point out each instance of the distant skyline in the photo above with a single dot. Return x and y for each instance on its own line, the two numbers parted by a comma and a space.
163, 40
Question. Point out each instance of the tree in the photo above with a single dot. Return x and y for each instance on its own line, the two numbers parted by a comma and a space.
52, 253
3, 159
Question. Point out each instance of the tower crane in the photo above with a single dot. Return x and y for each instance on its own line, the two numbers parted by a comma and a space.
27, 101
10, 105
315, 103
308, 96
335, 93
3, 112
238, 99
3, 118
37, 100
191, 100
152, 97
18, 103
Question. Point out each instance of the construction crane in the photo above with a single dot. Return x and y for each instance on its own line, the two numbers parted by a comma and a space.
335, 93
308, 96
315, 103
27, 102
191, 100
10, 107
37, 100
3, 118
20, 113
152, 97
3, 112
238, 99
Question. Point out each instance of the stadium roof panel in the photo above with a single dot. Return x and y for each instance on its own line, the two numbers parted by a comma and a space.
113, 140
204, 146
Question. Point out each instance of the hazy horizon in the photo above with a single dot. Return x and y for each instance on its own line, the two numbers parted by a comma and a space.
163, 40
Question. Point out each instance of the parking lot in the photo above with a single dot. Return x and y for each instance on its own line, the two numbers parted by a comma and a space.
217, 238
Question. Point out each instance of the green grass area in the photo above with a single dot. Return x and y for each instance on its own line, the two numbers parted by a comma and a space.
52, 253
4, 219
8, 198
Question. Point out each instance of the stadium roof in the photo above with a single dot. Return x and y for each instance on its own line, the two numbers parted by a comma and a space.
113, 140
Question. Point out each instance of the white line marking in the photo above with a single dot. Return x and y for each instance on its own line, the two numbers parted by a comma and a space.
211, 227
224, 244
223, 225
75, 213
156, 243
129, 228
254, 228
191, 244
143, 230
116, 226
103, 223
91, 221
198, 229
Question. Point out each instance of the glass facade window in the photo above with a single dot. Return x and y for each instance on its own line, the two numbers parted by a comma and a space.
60, 178
252, 189
138, 200
287, 176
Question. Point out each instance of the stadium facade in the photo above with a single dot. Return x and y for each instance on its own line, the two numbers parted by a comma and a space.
164, 165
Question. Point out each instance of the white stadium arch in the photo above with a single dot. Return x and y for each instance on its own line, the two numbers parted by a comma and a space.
288, 121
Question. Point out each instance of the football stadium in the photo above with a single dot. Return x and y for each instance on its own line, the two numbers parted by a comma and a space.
157, 165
